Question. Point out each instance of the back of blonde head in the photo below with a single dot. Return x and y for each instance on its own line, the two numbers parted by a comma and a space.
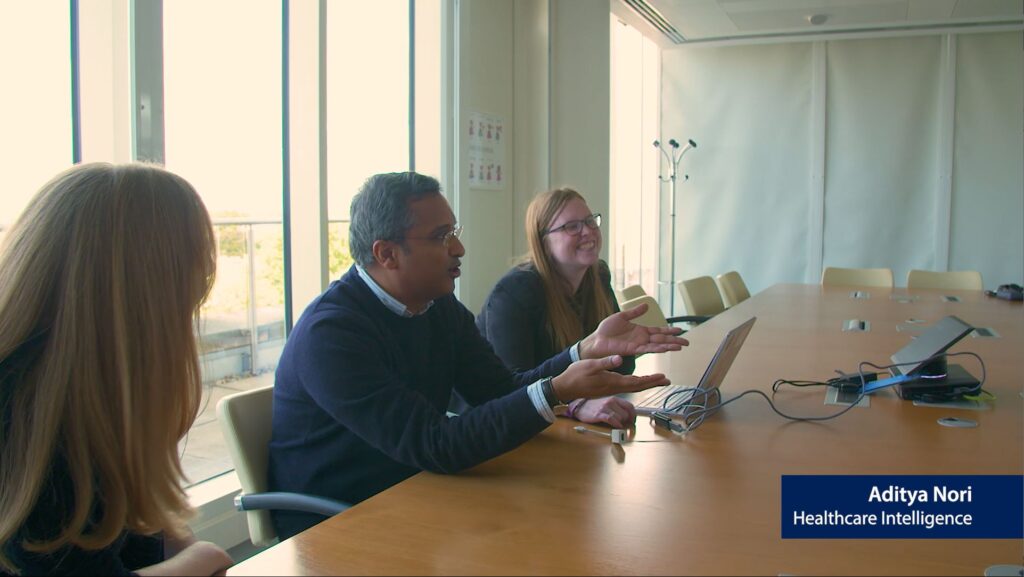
100, 281
565, 326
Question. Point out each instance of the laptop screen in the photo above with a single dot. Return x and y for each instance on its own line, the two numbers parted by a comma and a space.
726, 354
931, 342
664, 398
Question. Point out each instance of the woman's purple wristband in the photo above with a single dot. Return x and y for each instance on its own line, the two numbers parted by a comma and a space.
573, 407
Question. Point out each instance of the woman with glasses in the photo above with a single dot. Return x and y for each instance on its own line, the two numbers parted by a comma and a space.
100, 281
558, 294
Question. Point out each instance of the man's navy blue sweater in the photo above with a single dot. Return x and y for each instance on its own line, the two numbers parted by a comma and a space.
361, 392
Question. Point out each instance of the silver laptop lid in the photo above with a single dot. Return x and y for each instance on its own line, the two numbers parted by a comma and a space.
655, 399
726, 354
931, 342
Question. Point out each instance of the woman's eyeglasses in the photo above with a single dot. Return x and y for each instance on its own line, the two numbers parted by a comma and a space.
575, 227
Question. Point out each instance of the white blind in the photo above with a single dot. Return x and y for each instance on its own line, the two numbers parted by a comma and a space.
881, 153
987, 221
745, 205
749, 204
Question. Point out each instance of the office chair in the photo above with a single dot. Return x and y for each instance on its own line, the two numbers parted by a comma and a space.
654, 317
245, 421
965, 280
701, 297
733, 289
631, 292
880, 277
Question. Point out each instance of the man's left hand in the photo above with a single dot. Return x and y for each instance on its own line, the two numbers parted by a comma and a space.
617, 335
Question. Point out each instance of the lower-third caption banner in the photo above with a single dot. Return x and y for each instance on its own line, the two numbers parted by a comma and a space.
902, 506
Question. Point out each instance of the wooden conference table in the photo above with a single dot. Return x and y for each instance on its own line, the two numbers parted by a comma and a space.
709, 502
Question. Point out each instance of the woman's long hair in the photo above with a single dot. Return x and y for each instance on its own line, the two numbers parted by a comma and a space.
100, 282
564, 325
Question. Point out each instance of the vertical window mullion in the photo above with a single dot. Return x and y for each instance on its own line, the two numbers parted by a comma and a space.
412, 85
76, 93
147, 69
286, 189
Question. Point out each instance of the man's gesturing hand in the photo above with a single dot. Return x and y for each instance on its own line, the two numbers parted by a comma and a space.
617, 335
591, 379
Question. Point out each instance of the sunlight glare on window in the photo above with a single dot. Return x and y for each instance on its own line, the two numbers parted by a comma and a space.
35, 104
223, 133
367, 106
367, 95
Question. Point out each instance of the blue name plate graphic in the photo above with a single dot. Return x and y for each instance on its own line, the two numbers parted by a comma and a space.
903, 506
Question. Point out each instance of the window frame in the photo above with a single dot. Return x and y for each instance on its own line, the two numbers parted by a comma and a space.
136, 132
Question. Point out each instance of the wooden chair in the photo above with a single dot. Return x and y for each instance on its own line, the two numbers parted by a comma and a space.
836, 276
631, 292
733, 289
655, 317
701, 296
963, 280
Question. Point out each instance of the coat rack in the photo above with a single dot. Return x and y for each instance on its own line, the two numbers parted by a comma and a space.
673, 159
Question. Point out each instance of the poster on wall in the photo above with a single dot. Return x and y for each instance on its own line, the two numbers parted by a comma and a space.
486, 158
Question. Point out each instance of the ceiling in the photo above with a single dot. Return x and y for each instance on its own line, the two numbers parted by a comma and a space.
681, 22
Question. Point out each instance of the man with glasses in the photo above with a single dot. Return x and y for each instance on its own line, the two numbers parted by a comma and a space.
364, 379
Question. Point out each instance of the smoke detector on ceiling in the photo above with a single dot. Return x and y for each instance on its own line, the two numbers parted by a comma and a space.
817, 19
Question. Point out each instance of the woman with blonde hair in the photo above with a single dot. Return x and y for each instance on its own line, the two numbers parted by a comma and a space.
101, 279
557, 294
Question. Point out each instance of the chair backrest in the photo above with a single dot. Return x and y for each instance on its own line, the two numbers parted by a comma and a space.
734, 290
701, 296
880, 277
631, 292
654, 317
966, 280
245, 421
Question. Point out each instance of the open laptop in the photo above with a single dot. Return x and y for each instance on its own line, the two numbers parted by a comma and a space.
914, 357
652, 400
918, 372
931, 342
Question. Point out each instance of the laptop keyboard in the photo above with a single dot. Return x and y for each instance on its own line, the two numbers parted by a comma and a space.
656, 398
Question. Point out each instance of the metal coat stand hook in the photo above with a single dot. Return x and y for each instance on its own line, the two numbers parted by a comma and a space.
673, 159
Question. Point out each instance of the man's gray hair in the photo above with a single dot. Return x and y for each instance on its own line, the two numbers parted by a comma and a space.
380, 211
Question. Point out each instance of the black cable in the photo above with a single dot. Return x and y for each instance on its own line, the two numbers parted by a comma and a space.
694, 413
972, 390
780, 382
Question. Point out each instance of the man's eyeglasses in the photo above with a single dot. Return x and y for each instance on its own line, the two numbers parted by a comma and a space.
575, 227
445, 239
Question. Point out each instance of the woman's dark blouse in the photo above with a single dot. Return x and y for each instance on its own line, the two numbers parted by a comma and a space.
515, 318
127, 553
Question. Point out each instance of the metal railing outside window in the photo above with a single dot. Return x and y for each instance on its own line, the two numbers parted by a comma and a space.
242, 323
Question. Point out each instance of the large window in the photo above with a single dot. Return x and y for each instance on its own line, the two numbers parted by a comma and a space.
371, 126
635, 71
35, 104
214, 115
223, 133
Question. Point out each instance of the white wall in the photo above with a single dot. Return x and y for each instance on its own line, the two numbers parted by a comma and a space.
486, 85
851, 153
580, 99
542, 65
532, 46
